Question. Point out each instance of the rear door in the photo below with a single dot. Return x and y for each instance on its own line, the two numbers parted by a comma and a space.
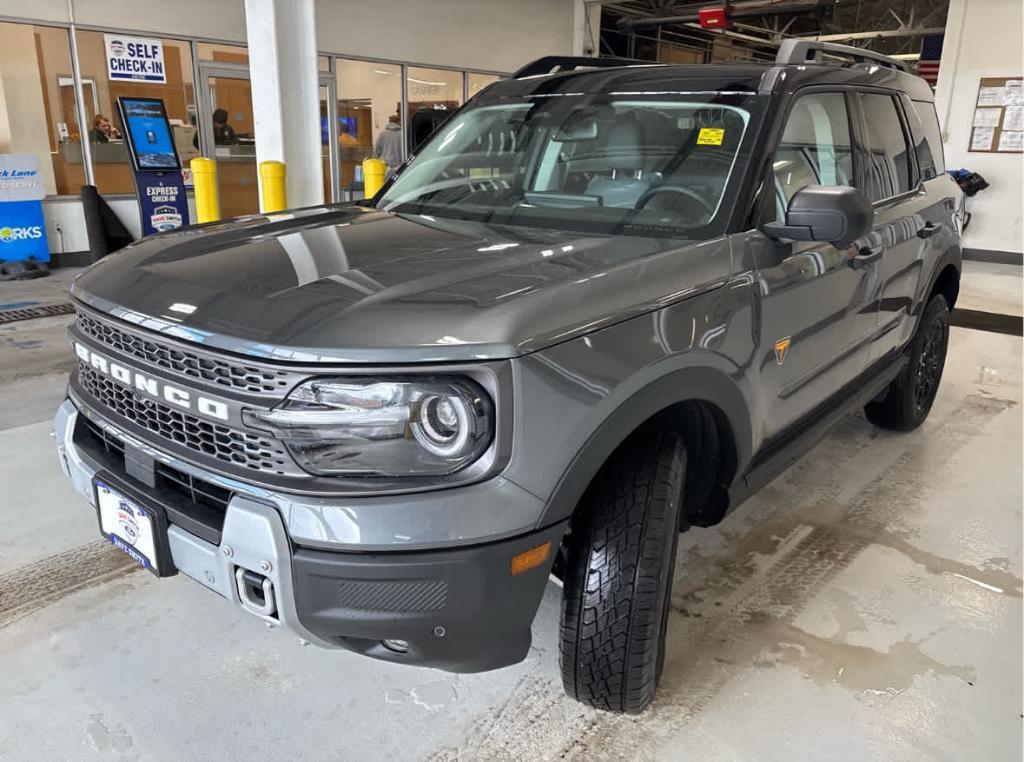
912, 210
817, 312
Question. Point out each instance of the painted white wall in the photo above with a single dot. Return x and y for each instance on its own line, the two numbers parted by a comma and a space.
493, 35
983, 39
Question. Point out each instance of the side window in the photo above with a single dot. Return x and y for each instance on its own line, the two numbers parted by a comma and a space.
929, 151
815, 148
888, 169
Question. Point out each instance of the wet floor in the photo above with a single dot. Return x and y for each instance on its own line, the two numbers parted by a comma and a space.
865, 605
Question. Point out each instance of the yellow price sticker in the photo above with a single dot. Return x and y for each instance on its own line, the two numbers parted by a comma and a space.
710, 136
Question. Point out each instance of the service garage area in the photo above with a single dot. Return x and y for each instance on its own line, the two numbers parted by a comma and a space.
511, 379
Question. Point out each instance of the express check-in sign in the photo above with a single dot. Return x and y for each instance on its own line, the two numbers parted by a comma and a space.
135, 59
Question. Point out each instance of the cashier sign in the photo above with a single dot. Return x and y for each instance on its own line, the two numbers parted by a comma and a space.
135, 59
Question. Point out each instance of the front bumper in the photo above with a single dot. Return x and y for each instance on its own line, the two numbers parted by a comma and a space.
454, 608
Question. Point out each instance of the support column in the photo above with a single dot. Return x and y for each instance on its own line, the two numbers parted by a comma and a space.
285, 92
586, 28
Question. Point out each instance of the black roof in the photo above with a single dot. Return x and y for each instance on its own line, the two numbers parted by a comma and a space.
738, 77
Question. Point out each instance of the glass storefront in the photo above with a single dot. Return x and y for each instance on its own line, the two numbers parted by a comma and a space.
475, 81
434, 95
111, 168
209, 104
369, 118
40, 114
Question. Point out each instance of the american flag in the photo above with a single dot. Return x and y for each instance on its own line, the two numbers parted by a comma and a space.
931, 53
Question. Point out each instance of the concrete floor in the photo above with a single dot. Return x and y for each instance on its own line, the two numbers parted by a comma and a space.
866, 605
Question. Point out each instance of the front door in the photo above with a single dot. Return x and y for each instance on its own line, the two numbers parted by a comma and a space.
817, 312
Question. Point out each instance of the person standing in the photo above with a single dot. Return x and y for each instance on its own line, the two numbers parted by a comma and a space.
389, 145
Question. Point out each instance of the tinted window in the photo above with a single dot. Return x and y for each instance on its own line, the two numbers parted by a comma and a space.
929, 150
888, 170
815, 147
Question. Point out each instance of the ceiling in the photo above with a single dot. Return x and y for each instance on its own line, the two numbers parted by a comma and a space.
893, 27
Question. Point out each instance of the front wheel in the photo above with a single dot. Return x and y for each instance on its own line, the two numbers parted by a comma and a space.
618, 580
909, 398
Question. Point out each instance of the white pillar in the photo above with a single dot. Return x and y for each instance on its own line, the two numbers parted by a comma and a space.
586, 28
286, 92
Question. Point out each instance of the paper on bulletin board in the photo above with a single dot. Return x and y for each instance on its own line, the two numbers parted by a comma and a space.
1014, 95
981, 140
1011, 141
991, 96
1013, 118
987, 117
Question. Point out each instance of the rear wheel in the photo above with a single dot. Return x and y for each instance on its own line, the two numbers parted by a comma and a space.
618, 577
909, 398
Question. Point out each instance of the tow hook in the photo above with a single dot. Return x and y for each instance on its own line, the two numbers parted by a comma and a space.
256, 592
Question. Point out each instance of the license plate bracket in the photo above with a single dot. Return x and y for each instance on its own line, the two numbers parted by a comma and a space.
134, 525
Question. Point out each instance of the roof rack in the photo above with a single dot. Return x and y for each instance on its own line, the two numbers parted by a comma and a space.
557, 64
811, 51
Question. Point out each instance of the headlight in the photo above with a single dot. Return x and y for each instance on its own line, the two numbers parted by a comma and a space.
429, 426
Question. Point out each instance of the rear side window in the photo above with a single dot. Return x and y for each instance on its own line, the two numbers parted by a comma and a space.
928, 145
815, 148
888, 167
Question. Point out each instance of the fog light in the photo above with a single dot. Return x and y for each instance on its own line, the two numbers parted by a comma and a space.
398, 646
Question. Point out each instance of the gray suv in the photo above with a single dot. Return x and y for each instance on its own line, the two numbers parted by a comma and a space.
605, 302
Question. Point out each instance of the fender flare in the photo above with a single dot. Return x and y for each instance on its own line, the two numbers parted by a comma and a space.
683, 385
951, 256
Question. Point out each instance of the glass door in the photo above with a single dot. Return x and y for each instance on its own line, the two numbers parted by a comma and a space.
227, 126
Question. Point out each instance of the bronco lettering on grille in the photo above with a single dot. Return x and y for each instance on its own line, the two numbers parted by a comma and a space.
153, 387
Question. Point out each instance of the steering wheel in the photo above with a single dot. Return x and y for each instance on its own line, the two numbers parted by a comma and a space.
670, 188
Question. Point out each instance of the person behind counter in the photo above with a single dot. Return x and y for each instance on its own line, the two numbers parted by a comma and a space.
223, 133
102, 130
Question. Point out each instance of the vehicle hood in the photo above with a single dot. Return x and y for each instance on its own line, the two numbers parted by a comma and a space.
348, 284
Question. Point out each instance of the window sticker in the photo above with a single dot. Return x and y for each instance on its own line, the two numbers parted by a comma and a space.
710, 136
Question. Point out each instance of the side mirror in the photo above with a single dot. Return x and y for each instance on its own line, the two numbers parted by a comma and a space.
838, 214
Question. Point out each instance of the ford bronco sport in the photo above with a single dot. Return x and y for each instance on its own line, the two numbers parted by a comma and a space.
604, 303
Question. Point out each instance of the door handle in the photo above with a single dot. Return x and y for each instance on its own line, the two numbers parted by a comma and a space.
866, 256
929, 230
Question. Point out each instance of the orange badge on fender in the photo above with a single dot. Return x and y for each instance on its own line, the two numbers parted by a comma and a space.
781, 347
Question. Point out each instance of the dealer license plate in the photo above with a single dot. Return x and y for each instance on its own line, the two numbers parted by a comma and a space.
128, 526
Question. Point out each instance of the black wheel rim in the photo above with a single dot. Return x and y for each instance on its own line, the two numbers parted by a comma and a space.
929, 366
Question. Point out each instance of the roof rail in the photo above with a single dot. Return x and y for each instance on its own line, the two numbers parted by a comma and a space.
794, 51
556, 64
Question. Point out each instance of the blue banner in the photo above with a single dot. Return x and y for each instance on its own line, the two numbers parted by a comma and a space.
162, 201
22, 227
23, 232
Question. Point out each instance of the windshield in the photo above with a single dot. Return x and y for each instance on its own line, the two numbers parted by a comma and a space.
637, 165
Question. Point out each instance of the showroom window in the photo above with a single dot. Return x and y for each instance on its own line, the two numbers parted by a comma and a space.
477, 82
111, 167
35, 69
888, 170
815, 148
369, 99
434, 95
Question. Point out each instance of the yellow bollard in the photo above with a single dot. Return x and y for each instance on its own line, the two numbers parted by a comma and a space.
374, 172
204, 183
272, 174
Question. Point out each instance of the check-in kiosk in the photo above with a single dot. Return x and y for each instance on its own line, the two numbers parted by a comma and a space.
156, 167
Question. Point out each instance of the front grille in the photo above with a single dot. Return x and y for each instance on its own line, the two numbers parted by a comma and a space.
196, 504
213, 439
231, 374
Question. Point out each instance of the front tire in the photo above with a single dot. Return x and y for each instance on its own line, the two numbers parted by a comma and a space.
618, 582
908, 399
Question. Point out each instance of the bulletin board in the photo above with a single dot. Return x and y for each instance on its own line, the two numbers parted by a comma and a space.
998, 125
